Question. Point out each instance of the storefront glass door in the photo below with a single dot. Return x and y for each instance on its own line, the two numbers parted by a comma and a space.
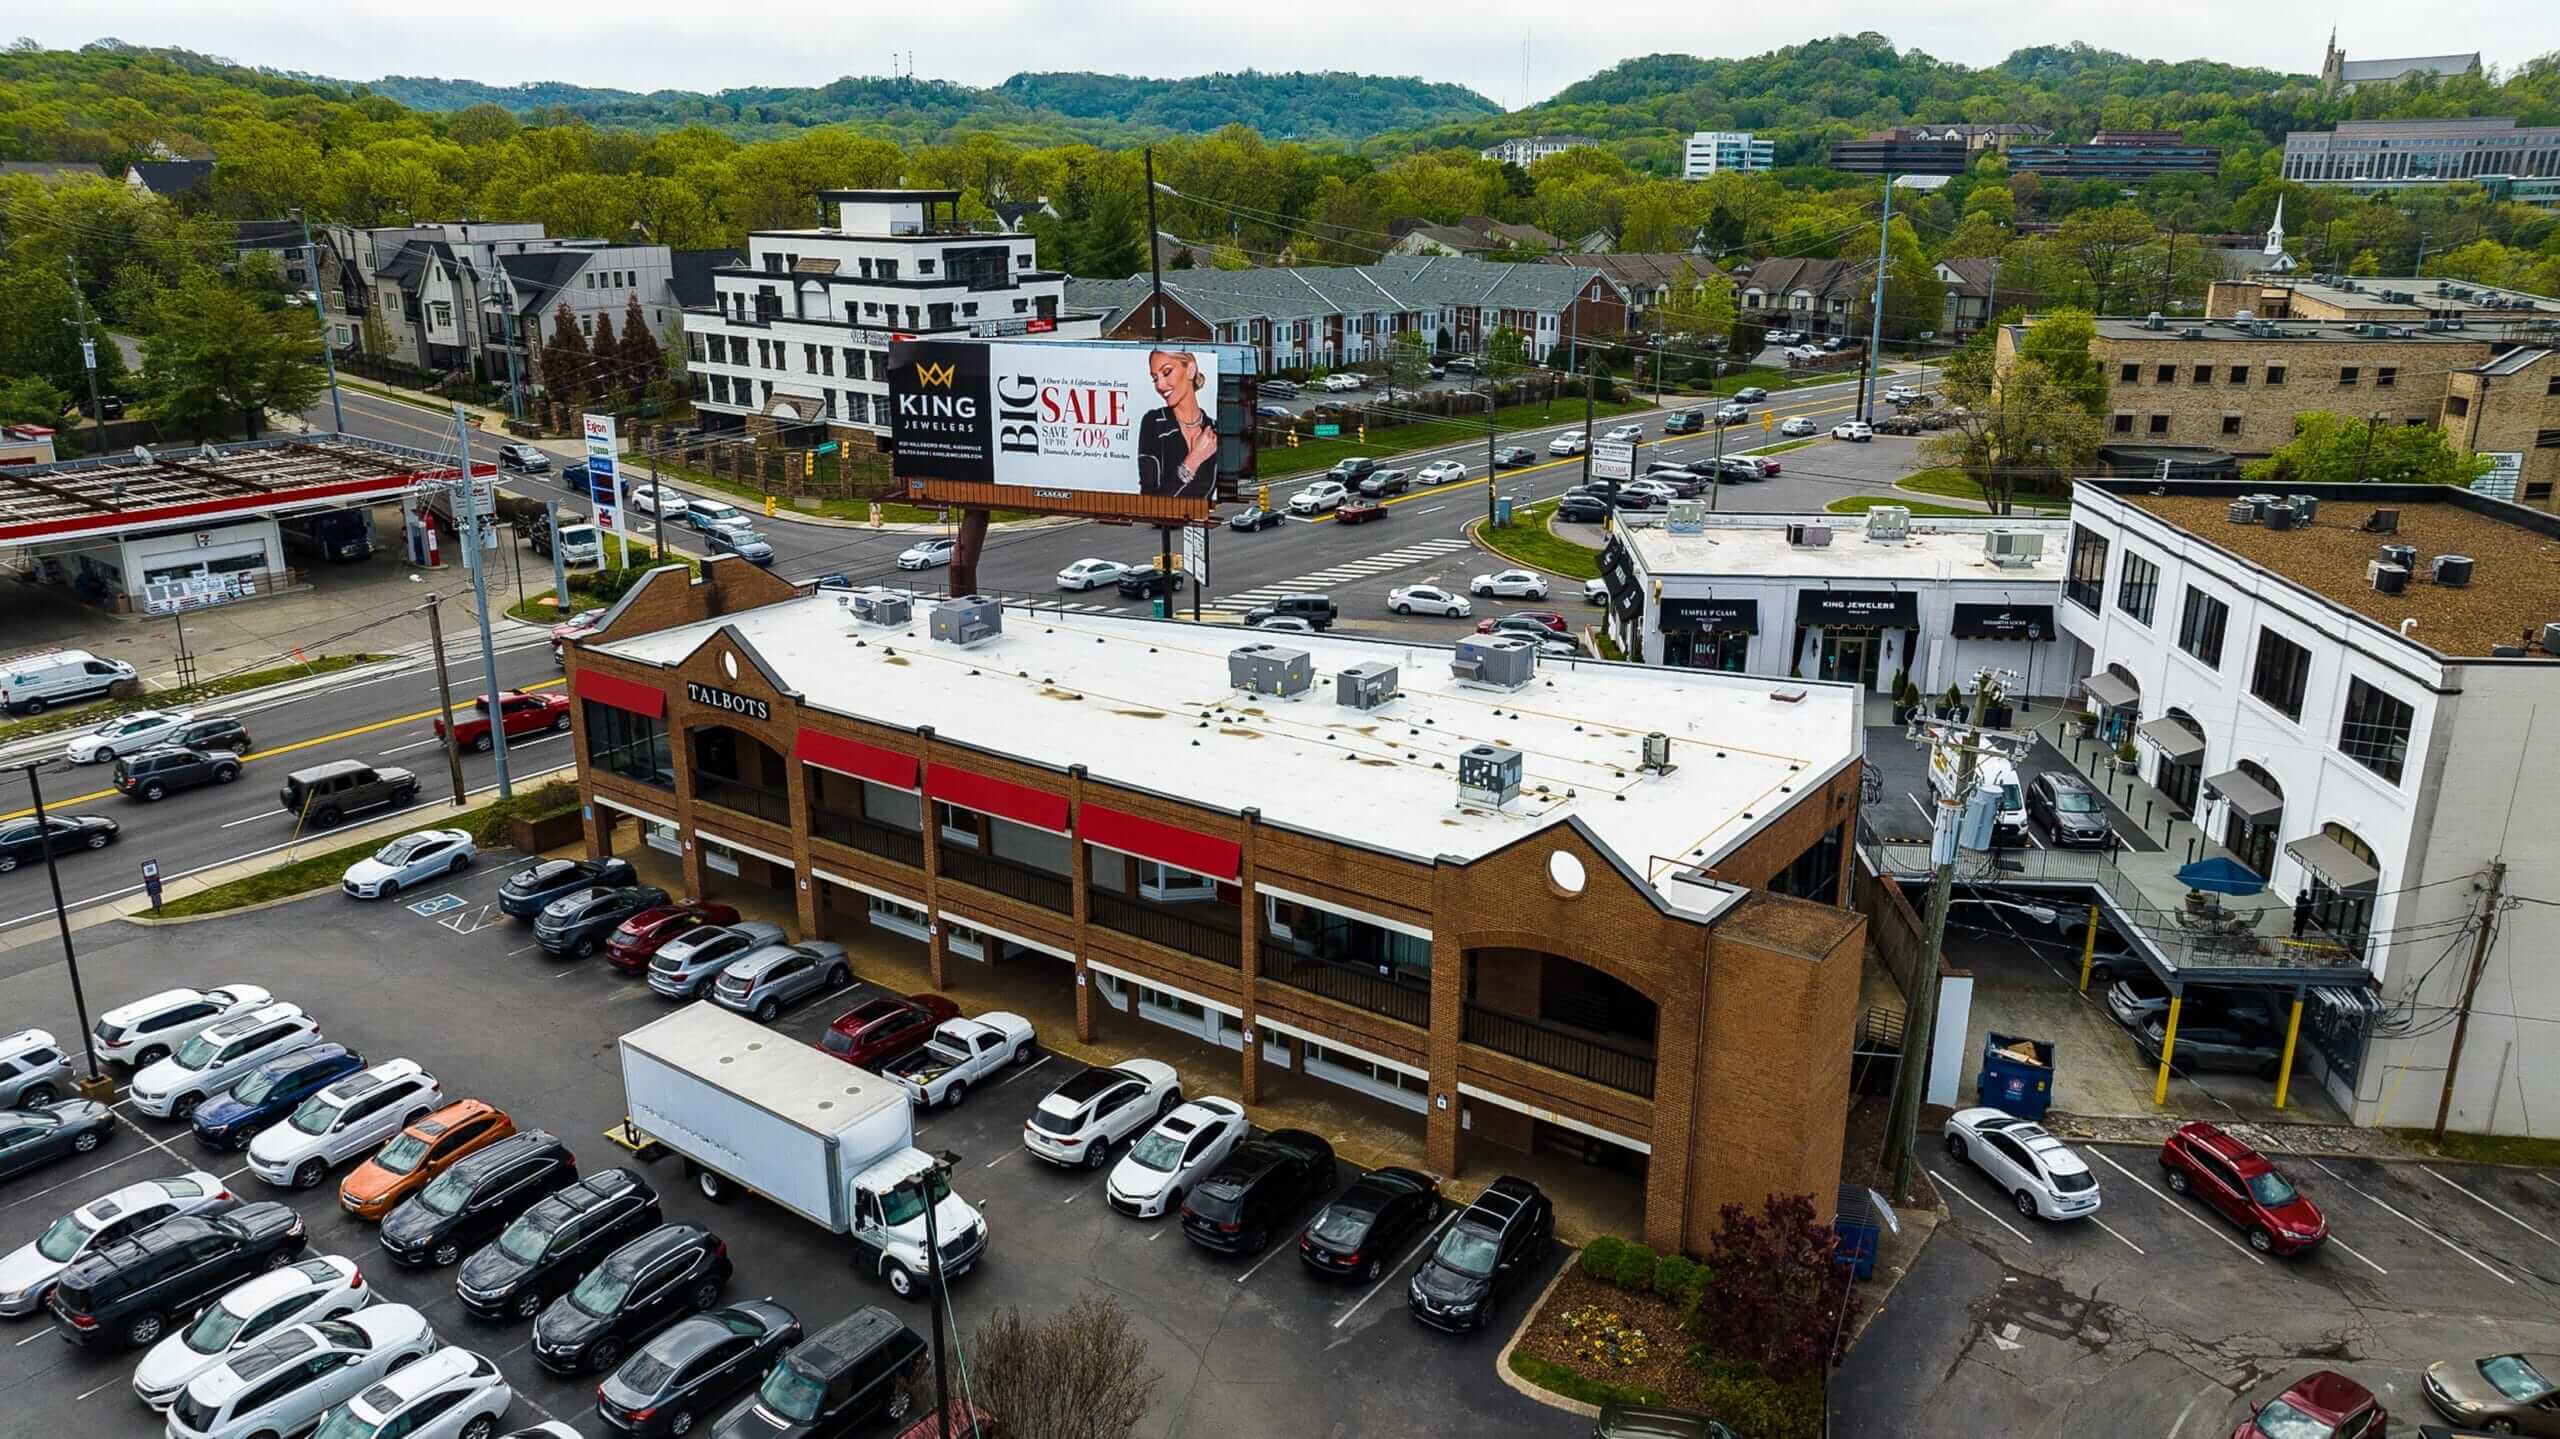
1851, 656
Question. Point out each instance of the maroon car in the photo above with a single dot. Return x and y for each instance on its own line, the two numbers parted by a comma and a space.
638, 938
2242, 1186
879, 1030
2324, 1404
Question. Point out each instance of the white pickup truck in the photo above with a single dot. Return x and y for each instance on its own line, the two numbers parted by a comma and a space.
961, 1053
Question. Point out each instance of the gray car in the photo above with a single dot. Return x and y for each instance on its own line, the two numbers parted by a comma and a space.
763, 981
33, 1069
682, 968
745, 544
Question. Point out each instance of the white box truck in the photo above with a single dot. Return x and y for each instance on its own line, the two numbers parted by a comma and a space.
749, 1109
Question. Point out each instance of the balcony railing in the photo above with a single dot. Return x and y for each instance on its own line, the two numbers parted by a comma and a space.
903, 846
759, 800
1360, 988
1045, 888
1552, 1047
1205, 931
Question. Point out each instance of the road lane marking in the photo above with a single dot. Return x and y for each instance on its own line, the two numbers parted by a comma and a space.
2487, 1204
1398, 1268
1948, 1187
2246, 1252
253, 819
2386, 1208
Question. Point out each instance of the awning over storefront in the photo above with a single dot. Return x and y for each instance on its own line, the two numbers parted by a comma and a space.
1883, 609
2177, 740
2003, 622
2108, 692
2257, 803
2335, 863
1730, 616
1166, 843
622, 694
853, 757
1020, 803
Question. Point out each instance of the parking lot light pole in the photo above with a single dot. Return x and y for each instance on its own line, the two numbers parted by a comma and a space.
62, 917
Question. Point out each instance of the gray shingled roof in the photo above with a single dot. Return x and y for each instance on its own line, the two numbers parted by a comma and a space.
173, 177
1396, 283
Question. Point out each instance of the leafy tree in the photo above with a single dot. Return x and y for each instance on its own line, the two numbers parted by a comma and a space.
641, 363
2010, 425
1079, 1375
2105, 245
2340, 449
1915, 299
1775, 1296
563, 361
217, 354
1506, 353
1699, 304
32, 400
2061, 342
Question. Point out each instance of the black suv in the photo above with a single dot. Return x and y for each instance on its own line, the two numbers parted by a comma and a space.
1684, 422
326, 793
550, 1245
124, 1294
211, 732
1261, 1187
1316, 610
528, 890
471, 1201
671, 1271
840, 1380
156, 772
579, 922
1487, 1249
1150, 582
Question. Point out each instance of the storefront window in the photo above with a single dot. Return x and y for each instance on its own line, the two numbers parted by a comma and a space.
1723, 650
629, 746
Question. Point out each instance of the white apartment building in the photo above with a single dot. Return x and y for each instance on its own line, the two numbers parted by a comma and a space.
799, 334
1710, 152
2370, 737
1527, 150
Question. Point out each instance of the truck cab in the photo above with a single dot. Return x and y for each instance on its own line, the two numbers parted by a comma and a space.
889, 1231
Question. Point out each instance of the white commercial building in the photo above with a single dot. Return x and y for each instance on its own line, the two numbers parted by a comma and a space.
1841, 598
799, 334
1527, 150
2355, 698
1713, 151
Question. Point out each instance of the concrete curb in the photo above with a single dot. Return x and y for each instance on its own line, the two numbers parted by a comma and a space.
1563, 579
1502, 1360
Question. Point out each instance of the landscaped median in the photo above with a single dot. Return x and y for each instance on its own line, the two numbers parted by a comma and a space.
595, 589
1528, 541
75, 717
1955, 484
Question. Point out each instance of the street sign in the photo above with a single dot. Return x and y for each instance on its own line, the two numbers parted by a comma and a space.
151, 881
828, 448
605, 487
1613, 460
1195, 554
1327, 432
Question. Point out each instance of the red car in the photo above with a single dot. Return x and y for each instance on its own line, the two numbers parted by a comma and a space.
1359, 512
1549, 618
2244, 1187
526, 714
1768, 466
637, 939
2323, 1405
879, 1030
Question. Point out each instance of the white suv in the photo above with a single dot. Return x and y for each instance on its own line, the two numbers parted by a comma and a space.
295, 1378
149, 1030
219, 1057
1571, 442
304, 1292
342, 1121
1322, 495
450, 1394
1082, 1118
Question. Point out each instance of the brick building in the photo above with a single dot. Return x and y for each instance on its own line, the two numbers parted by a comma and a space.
1605, 957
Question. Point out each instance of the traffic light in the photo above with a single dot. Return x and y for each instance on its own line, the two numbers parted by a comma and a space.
769, 507
1364, 432
1293, 439
1767, 419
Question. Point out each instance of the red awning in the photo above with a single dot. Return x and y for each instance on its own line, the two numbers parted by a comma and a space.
1020, 803
853, 757
620, 693
1165, 843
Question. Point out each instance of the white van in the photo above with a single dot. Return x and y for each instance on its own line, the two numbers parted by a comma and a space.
2011, 827
34, 683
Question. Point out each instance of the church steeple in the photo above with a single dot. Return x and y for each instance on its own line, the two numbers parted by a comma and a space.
2275, 230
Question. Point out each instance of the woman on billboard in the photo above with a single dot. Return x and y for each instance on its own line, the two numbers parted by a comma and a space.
1177, 443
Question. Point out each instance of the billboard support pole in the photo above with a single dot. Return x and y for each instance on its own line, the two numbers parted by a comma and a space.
964, 556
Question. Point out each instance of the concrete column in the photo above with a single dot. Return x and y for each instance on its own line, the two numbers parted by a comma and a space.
1079, 882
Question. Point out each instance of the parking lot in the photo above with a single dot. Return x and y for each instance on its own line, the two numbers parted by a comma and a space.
2156, 1318
1246, 1346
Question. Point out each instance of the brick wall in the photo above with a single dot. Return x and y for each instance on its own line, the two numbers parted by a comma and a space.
2513, 413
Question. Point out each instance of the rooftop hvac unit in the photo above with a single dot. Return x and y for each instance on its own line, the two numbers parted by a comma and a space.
2013, 547
2192, 332
1657, 752
2279, 516
879, 607
2386, 579
2551, 639
1687, 517
1489, 775
2405, 556
1809, 535
2382, 522
2154, 321
2242, 512
2304, 506
1503, 662
1889, 522
1366, 685
966, 620
1268, 669
2453, 571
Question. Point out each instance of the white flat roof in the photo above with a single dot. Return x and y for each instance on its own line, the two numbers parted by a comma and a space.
1146, 704
1756, 546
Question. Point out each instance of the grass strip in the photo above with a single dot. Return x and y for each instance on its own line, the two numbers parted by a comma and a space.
89, 715
1528, 541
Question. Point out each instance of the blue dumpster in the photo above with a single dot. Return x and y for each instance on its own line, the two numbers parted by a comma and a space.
2013, 1082
1856, 1232
1502, 510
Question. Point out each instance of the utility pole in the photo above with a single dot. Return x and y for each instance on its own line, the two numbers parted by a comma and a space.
444, 688
88, 346
320, 303
1875, 310
70, 957
1911, 1080
560, 563
507, 328
1587, 383
468, 506
1715, 484
2470, 986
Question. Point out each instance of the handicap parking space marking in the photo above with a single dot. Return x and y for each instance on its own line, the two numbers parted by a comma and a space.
2489, 1204
2420, 1226
1949, 1187
430, 908
2200, 1221
473, 922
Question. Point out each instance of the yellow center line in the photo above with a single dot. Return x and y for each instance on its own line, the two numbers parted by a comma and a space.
265, 754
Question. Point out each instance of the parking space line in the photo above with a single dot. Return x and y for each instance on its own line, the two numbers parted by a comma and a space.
2386, 1208
1026, 1069
74, 1179
2111, 1229
2369, 1264
999, 1159
110, 1384
234, 1174
1389, 1278
2175, 1206
154, 1141
1949, 1187
2488, 1204
1257, 1264
1925, 817
44, 1333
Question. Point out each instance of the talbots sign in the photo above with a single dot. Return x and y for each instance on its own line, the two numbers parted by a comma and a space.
712, 697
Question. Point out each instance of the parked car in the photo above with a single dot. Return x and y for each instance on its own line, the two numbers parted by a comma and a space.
1510, 585
475, 1197
1150, 582
1936, 419
1463, 365
1264, 1184
2322, 1405
1076, 1123
1622, 433
413, 858
684, 965
125, 734
2136, 998
578, 923
1315, 611
763, 981
451, 1394
1571, 442
1360, 512
527, 713
158, 773
1430, 600
694, 1367
1440, 472
2504, 1393
1284, 389
1340, 381
145, 1031
1684, 422
745, 543
1659, 491
1362, 1233
841, 1381
1255, 517
418, 1154
576, 627
297, 1377
342, 1121
324, 794
2240, 1184
1512, 457
2069, 806
2205, 1047
124, 1294
1385, 482
547, 1248
23, 841
1318, 497
219, 1057
1486, 1250
655, 1278
524, 458
708, 515
1795, 427
529, 889
306, 1291
879, 1030
270, 1095
1091, 574
927, 554
30, 684
638, 939
1857, 430
28, 1272
1647, 1421
1583, 509
1534, 623
1286, 624
961, 1053
1898, 425
2038, 1172
1270, 412
1176, 1153
32, 1138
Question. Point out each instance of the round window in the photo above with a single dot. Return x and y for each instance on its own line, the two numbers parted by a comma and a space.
1564, 871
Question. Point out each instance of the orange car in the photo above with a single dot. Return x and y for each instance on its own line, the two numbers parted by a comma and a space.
420, 1153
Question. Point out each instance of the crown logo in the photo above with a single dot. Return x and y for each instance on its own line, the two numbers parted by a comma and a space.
939, 376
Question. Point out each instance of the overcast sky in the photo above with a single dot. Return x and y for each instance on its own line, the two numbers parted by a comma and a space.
1507, 49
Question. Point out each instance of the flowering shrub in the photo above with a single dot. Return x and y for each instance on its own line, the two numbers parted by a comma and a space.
1602, 1337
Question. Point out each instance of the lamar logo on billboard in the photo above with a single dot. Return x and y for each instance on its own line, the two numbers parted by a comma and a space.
710, 697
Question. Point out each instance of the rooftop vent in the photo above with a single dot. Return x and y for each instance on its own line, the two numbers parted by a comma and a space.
2382, 522
1812, 536
1503, 662
1489, 774
2192, 332
2453, 571
2386, 578
2551, 639
1888, 523
967, 620
1657, 752
2506, 652
1269, 669
2154, 321
1687, 517
1366, 685
2013, 548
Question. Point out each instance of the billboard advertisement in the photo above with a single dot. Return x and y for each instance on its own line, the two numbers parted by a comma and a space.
1068, 428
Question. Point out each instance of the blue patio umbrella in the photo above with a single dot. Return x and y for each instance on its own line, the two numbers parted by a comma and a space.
2221, 875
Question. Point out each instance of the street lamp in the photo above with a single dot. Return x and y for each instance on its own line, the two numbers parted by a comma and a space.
70, 957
